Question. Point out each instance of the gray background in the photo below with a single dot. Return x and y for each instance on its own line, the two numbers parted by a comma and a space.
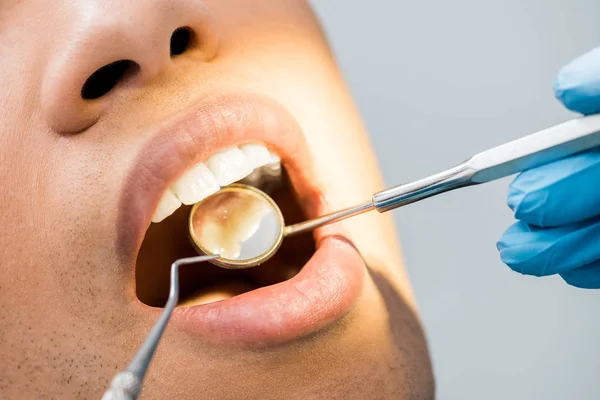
437, 81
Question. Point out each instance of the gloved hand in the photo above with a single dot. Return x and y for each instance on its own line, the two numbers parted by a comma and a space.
558, 205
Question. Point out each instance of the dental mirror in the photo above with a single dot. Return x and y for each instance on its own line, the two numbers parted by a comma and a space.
240, 223
245, 227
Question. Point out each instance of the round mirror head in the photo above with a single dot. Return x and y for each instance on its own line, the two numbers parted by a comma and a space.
240, 223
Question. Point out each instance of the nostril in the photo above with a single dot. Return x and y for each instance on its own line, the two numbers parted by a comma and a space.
106, 78
181, 40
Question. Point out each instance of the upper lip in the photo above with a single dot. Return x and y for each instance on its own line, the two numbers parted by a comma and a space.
325, 289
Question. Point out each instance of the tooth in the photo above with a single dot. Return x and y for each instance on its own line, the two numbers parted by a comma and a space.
229, 166
257, 153
274, 158
255, 178
274, 161
167, 206
195, 185
273, 169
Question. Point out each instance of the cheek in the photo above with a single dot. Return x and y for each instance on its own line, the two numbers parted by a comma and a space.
81, 198
60, 210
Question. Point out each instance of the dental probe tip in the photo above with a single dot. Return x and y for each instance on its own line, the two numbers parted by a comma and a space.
127, 384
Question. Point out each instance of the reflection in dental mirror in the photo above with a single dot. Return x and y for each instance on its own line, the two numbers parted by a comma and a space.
241, 224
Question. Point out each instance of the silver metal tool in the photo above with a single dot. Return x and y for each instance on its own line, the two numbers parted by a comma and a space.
127, 384
245, 226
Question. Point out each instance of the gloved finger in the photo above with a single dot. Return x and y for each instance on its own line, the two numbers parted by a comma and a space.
586, 277
546, 251
559, 193
578, 84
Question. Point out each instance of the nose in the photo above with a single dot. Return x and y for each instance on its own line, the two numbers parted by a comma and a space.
111, 45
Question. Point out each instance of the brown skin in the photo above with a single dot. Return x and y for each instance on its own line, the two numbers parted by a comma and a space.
68, 315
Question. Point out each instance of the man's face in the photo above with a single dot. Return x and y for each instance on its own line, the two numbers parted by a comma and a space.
111, 114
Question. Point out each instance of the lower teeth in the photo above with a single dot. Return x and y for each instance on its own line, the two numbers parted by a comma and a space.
216, 293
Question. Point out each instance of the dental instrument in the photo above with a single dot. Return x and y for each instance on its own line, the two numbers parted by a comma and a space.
127, 384
245, 227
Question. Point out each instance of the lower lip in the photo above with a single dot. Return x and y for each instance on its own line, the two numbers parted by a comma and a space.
324, 291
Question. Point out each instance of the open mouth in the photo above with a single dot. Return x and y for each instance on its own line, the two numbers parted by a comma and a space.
249, 163
312, 281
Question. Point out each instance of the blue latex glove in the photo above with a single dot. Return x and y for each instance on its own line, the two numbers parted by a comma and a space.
558, 205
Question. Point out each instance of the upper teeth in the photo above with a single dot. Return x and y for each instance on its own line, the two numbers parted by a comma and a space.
221, 169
